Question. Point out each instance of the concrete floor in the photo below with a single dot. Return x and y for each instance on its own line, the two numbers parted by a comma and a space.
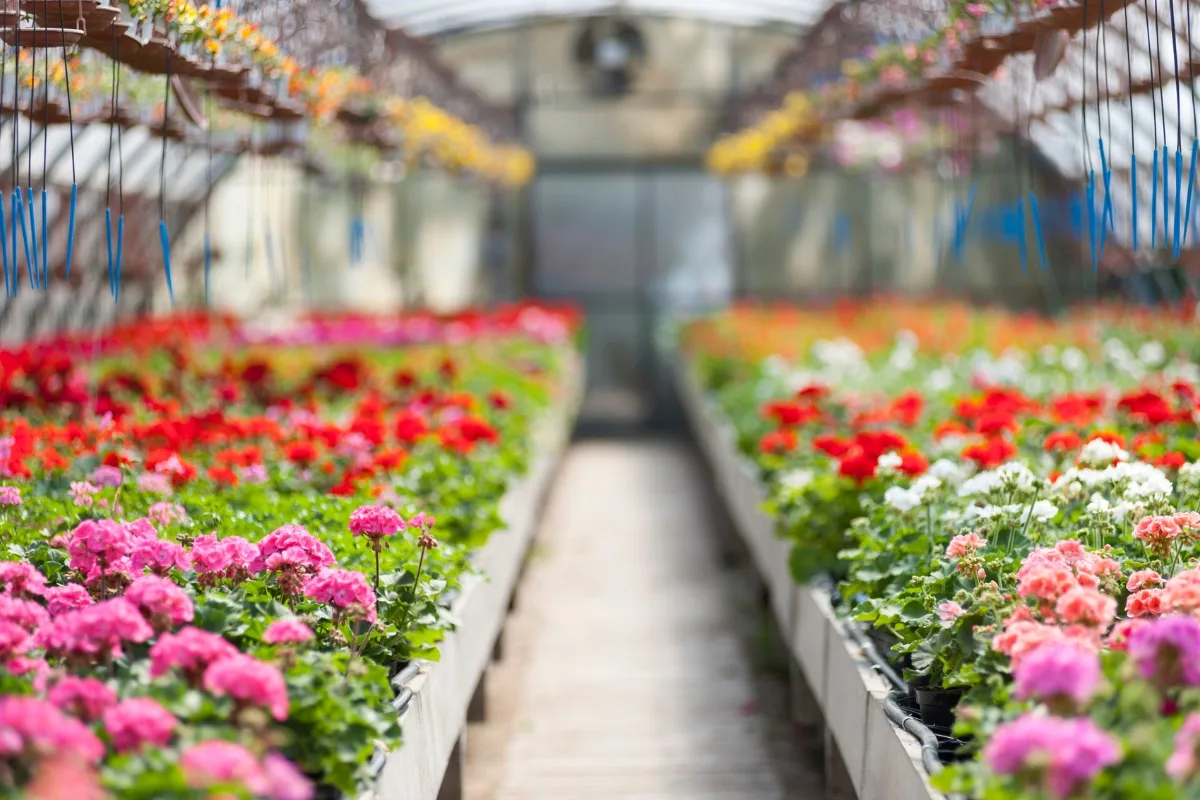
635, 665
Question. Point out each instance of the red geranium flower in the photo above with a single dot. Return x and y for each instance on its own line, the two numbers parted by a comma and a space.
1061, 442
780, 441
992, 453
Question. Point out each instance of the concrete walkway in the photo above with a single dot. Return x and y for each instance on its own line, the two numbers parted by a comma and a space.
626, 672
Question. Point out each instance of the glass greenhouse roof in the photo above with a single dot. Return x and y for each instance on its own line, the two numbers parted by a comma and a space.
1101, 91
432, 17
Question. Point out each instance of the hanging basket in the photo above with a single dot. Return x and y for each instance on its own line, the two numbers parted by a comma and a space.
42, 38
951, 79
121, 47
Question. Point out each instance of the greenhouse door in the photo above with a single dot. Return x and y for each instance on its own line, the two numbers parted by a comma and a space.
633, 248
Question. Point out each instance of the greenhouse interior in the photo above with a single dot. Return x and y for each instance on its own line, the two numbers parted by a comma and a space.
579, 399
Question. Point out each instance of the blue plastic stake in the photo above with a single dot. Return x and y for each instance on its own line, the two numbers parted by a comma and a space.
45, 246
4, 251
25, 239
14, 260
1108, 205
112, 265
1091, 218
1133, 182
33, 235
1037, 228
1187, 211
166, 250
1022, 244
1166, 173
207, 270
1154, 204
120, 255
1178, 200
71, 228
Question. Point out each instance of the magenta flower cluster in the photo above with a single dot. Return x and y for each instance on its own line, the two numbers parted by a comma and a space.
1060, 755
346, 590
1167, 651
1056, 671
375, 522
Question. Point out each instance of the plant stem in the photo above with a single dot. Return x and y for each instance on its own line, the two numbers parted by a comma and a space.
412, 595
377, 568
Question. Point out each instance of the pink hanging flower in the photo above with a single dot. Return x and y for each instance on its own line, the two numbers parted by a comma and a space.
60, 599
163, 603
32, 728
138, 721
249, 682
976, 10
191, 651
10, 496
287, 631
1060, 756
20, 579
86, 698
346, 590
159, 556
220, 763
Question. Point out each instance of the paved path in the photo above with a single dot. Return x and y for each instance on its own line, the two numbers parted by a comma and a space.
627, 673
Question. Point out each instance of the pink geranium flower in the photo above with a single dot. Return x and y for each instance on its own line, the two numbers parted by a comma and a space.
163, 603
1059, 756
191, 651
98, 544
86, 698
287, 631
20, 579
1057, 671
375, 522
138, 721
159, 556
31, 728
60, 599
346, 590
219, 763
249, 682
94, 632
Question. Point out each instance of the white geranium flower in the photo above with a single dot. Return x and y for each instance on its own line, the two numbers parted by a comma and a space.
1099, 505
903, 500
925, 484
1152, 353
1073, 360
1099, 453
1044, 511
889, 462
796, 479
946, 470
982, 484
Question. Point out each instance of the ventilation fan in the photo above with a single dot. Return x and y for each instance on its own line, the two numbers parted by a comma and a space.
610, 52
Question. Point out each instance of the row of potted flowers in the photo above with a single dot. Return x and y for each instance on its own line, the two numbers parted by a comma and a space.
1009, 508
220, 546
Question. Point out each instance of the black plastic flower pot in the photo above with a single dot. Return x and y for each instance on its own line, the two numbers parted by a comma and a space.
937, 706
